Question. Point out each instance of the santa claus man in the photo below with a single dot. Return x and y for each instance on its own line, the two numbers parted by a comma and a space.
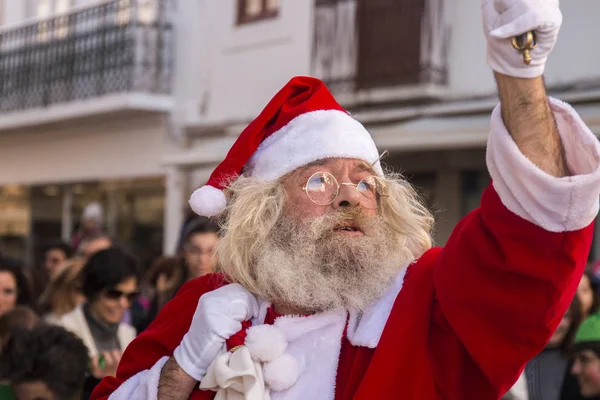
329, 286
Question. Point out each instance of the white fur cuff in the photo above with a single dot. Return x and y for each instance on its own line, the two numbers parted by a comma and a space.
141, 386
555, 204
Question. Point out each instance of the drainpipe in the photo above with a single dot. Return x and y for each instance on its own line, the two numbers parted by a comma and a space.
175, 187
174, 200
67, 215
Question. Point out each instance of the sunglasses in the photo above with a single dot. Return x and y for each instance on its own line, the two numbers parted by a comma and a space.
115, 294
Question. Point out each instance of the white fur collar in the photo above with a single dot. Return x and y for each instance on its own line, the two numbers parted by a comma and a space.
365, 329
315, 341
326, 328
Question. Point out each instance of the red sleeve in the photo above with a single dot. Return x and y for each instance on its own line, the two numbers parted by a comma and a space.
162, 336
502, 285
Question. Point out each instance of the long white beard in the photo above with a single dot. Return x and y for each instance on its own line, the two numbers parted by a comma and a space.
311, 267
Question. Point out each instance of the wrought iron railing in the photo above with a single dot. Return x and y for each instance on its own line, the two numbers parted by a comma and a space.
117, 46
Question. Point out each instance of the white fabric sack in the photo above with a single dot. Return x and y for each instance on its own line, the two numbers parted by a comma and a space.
236, 376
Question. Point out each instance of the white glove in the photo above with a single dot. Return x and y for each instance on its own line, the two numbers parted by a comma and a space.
505, 19
218, 316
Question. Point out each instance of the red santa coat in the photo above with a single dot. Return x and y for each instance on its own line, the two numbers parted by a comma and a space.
469, 316
466, 321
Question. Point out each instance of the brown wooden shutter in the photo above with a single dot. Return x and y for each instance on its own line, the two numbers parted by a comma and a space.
389, 42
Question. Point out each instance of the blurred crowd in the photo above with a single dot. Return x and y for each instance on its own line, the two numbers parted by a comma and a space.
64, 325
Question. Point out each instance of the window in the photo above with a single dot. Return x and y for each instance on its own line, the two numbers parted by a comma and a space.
47, 8
61, 24
473, 183
256, 10
146, 11
43, 8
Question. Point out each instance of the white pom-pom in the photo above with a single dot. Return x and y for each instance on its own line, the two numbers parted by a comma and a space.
208, 201
281, 373
265, 342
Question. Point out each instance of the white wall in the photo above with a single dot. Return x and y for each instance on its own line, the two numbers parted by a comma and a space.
190, 60
239, 68
575, 58
468, 73
13, 11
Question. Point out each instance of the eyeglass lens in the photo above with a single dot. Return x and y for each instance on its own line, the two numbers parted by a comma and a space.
321, 188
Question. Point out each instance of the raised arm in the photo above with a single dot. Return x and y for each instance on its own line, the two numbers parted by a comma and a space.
511, 268
525, 108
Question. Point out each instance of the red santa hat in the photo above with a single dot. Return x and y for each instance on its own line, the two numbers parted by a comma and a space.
301, 124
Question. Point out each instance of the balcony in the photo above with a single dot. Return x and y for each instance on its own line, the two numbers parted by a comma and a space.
381, 50
114, 56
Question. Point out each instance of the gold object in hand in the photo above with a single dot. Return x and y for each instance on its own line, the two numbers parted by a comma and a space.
236, 348
524, 44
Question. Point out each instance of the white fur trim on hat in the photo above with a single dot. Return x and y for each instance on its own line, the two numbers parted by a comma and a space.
208, 201
265, 342
282, 373
310, 137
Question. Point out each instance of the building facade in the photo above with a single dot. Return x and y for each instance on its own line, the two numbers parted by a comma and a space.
133, 102
85, 102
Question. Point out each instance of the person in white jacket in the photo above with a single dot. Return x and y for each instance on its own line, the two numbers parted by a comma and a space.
109, 281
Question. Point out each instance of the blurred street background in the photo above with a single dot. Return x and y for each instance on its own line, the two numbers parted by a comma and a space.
131, 103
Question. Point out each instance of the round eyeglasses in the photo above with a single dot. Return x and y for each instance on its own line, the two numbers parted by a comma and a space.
322, 189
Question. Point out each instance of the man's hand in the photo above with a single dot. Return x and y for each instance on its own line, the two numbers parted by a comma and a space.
218, 316
505, 19
106, 364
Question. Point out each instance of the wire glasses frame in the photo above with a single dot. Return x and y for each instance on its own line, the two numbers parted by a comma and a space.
322, 189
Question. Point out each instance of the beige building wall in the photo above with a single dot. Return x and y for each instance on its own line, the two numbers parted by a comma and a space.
572, 61
104, 148
244, 65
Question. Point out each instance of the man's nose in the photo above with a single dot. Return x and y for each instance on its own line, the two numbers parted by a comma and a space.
348, 196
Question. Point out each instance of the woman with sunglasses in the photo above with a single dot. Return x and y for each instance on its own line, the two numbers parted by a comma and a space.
109, 281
